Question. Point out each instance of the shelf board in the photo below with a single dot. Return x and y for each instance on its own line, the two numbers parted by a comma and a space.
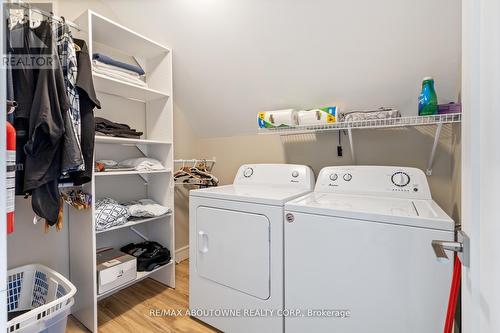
127, 141
119, 37
368, 124
112, 86
140, 276
132, 172
133, 223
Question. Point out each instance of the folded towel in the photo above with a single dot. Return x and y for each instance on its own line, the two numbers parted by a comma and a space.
142, 164
146, 208
98, 64
110, 61
120, 76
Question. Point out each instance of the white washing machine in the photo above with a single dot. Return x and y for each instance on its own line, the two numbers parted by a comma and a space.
236, 247
361, 244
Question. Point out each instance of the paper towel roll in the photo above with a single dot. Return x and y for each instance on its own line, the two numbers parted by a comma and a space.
316, 117
278, 118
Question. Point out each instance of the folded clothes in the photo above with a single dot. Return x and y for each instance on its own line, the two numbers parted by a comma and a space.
108, 163
382, 113
119, 134
110, 61
98, 64
146, 208
101, 166
109, 128
142, 164
120, 76
109, 213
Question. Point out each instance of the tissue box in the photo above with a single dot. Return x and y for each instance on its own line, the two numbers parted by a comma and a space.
114, 269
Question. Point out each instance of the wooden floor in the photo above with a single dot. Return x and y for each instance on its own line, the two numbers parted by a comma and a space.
129, 310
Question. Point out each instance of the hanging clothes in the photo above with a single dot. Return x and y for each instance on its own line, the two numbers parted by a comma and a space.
9, 82
72, 151
88, 101
40, 117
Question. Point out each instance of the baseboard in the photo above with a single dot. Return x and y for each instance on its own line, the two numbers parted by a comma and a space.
182, 254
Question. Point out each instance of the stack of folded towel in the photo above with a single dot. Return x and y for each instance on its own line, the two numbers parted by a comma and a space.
102, 64
145, 208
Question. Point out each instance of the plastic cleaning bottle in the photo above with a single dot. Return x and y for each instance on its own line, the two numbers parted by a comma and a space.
427, 101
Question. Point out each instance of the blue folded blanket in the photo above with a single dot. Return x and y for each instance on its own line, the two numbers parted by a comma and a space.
110, 61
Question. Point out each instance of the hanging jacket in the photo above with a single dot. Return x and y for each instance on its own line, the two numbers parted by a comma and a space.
39, 118
88, 101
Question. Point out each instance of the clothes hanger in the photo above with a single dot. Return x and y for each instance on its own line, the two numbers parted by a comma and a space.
185, 172
203, 173
180, 171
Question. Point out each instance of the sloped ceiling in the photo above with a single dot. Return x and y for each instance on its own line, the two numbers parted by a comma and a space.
233, 58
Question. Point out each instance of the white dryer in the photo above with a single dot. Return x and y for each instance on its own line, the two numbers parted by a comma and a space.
361, 244
236, 247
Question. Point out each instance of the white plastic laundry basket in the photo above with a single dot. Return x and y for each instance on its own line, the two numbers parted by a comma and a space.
46, 295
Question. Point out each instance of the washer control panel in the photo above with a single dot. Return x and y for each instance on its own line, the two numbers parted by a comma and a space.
374, 180
400, 179
299, 176
248, 172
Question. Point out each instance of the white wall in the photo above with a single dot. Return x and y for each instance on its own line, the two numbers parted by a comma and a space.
234, 58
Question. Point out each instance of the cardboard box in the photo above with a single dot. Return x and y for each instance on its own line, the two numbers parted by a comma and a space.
114, 269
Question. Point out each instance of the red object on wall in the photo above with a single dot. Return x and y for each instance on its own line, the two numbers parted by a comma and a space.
11, 176
452, 301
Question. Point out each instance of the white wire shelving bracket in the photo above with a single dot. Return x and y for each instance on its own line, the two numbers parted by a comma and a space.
435, 120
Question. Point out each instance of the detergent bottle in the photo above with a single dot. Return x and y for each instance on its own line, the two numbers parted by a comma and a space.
427, 101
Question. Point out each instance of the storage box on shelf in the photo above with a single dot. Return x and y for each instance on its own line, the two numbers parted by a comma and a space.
140, 276
149, 110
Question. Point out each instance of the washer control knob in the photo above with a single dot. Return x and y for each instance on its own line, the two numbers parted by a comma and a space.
295, 174
248, 172
347, 177
400, 179
334, 177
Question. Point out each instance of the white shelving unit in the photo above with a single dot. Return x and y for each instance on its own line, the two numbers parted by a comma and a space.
112, 86
134, 223
435, 120
149, 110
126, 141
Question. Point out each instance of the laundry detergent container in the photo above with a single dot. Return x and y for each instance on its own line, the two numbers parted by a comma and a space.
38, 300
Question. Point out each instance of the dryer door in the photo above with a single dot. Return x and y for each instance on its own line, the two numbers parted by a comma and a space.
233, 249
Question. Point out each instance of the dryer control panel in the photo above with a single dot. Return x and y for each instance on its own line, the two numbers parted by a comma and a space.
400, 182
293, 175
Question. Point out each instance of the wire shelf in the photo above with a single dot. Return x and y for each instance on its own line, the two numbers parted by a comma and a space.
368, 124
